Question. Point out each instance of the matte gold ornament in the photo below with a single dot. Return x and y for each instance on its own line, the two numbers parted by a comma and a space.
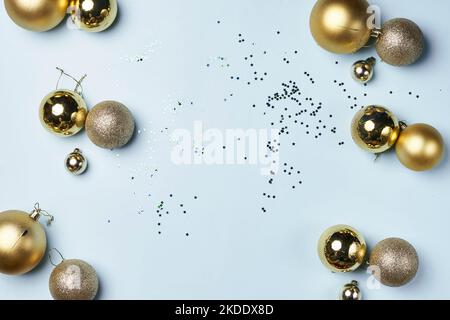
110, 125
375, 129
394, 262
400, 42
37, 15
76, 163
340, 26
351, 292
63, 112
363, 70
341, 248
420, 147
22, 240
93, 15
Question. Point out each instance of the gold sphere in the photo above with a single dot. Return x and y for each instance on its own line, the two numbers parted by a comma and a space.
76, 163
351, 291
63, 112
420, 147
340, 26
93, 15
22, 242
375, 129
37, 15
362, 70
341, 248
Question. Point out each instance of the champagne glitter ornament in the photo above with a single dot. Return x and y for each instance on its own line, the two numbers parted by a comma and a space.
93, 15
351, 292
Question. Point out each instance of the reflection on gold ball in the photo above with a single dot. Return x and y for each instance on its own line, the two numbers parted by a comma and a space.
351, 292
22, 242
63, 112
37, 15
340, 26
93, 15
73, 280
362, 70
375, 129
341, 248
76, 163
394, 262
420, 147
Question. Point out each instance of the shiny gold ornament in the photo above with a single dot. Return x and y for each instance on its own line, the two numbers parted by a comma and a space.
400, 42
340, 26
93, 15
63, 112
394, 262
341, 248
110, 125
76, 163
22, 241
351, 292
362, 70
37, 15
73, 280
375, 129
420, 147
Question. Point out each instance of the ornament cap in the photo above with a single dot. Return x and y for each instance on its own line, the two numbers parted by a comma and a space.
37, 212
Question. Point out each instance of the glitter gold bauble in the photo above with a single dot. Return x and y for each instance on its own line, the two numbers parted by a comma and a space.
22, 241
63, 112
73, 280
400, 42
76, 162
93, 15
420, 147
363, 70
375, 129
110, 125
394, 262
340, 26
341, 248
37, 15
351, 291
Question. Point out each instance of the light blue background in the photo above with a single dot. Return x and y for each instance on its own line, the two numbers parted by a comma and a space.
234, 250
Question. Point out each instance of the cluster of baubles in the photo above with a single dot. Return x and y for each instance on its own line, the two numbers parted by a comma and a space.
43, 15
419, 147
393, 261
345, 26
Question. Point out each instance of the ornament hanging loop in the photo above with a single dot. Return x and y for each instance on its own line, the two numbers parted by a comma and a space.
50, 256
38, 212
79, 87
376, 33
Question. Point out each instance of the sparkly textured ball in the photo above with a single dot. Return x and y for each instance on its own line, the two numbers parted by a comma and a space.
375, 129
351, 291
93, 15
363, 70
73, 280
394, 262
341, 248
110, 125
76, 163
400, 42
420, 147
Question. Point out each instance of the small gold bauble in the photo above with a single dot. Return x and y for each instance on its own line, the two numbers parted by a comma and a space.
340, 26
37, 15
76, 163
394, 262
375, 129
351, 292
362, 70
22, 242
341, 248
63, 112
73, 280
93, 15
420, 147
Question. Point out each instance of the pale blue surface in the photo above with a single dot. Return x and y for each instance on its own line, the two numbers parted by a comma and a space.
234, 250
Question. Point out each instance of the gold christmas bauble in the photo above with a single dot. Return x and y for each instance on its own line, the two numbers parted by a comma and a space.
341, 248
22, 242
375, 129
351, 291
340, 26
394, 262
110, 125
93, 15
76, 162
363, 70
73, 280
63, 112
420, 147
37, 15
